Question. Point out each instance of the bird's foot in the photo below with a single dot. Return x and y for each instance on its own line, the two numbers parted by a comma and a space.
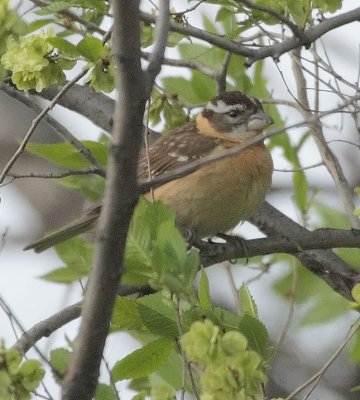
235, 242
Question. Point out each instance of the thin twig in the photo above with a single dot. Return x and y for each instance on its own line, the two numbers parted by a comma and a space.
186, 364
308, 36
319, 164
36, 122
221, 77
57, 175
315, 378
192, 64
290, 313
280, 17
330, 161
157, 54
74, 17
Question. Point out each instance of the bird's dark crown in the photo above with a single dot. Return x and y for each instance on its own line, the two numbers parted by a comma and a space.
231, 111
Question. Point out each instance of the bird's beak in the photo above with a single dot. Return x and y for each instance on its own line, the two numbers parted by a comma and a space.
259, 121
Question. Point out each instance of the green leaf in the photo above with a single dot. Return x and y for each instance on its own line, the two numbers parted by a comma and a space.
38, 24
301, 188
65, 47
143, 232
256, 334
331, 217
181, 88
355, 349
65, 275
326, 308
144, 361
247, 302
92, 48
158, 314
204, 291
75, 252
355, 292
90, 186
126, 314
171, 246
59, 359
77, 255
204, 86
105, 392
174, 116
170, 372
66, 155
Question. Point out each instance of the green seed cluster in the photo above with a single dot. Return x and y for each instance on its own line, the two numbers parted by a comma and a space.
229, 370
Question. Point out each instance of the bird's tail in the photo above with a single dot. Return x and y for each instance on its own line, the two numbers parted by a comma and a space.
67, 232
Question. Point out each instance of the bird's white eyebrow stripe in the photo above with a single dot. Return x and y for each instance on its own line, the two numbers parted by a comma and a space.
222, 107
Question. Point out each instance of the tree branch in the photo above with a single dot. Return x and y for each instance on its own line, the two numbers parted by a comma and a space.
291, 238
56, 125
328, 157
235, 247
96, 107
133, 89
46, 327
323, 263
157, 55
276, 50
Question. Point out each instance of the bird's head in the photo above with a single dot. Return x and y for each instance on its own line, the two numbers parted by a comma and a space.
234, 116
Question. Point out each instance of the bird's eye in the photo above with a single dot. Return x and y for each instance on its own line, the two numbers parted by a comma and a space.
233, 113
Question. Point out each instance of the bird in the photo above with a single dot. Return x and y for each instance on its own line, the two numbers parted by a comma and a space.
218, 195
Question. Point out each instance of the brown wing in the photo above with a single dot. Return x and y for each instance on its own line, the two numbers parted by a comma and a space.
178, 147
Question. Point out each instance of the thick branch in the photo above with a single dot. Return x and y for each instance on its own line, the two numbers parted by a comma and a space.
307, 37
97, 107
329, 159
46, 327
323, 263
212, 253
157, 55
134, 87
83, 371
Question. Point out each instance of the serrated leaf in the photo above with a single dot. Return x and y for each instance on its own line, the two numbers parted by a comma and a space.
256, 334
53, 7
204, 86
64, 275
181, 88
355, 292
140, 249
247, 302
158, 314
40, 23
92, 48
170, 372
171, 245
325, 309
66, 155
355, 349
75, 251
126, 314
65, 47
204, 291
301, 189
90, 186
144, 361
59, 359
105, 392
77, 255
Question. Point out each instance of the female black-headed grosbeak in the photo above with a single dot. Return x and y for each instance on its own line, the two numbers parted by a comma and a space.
217, 196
